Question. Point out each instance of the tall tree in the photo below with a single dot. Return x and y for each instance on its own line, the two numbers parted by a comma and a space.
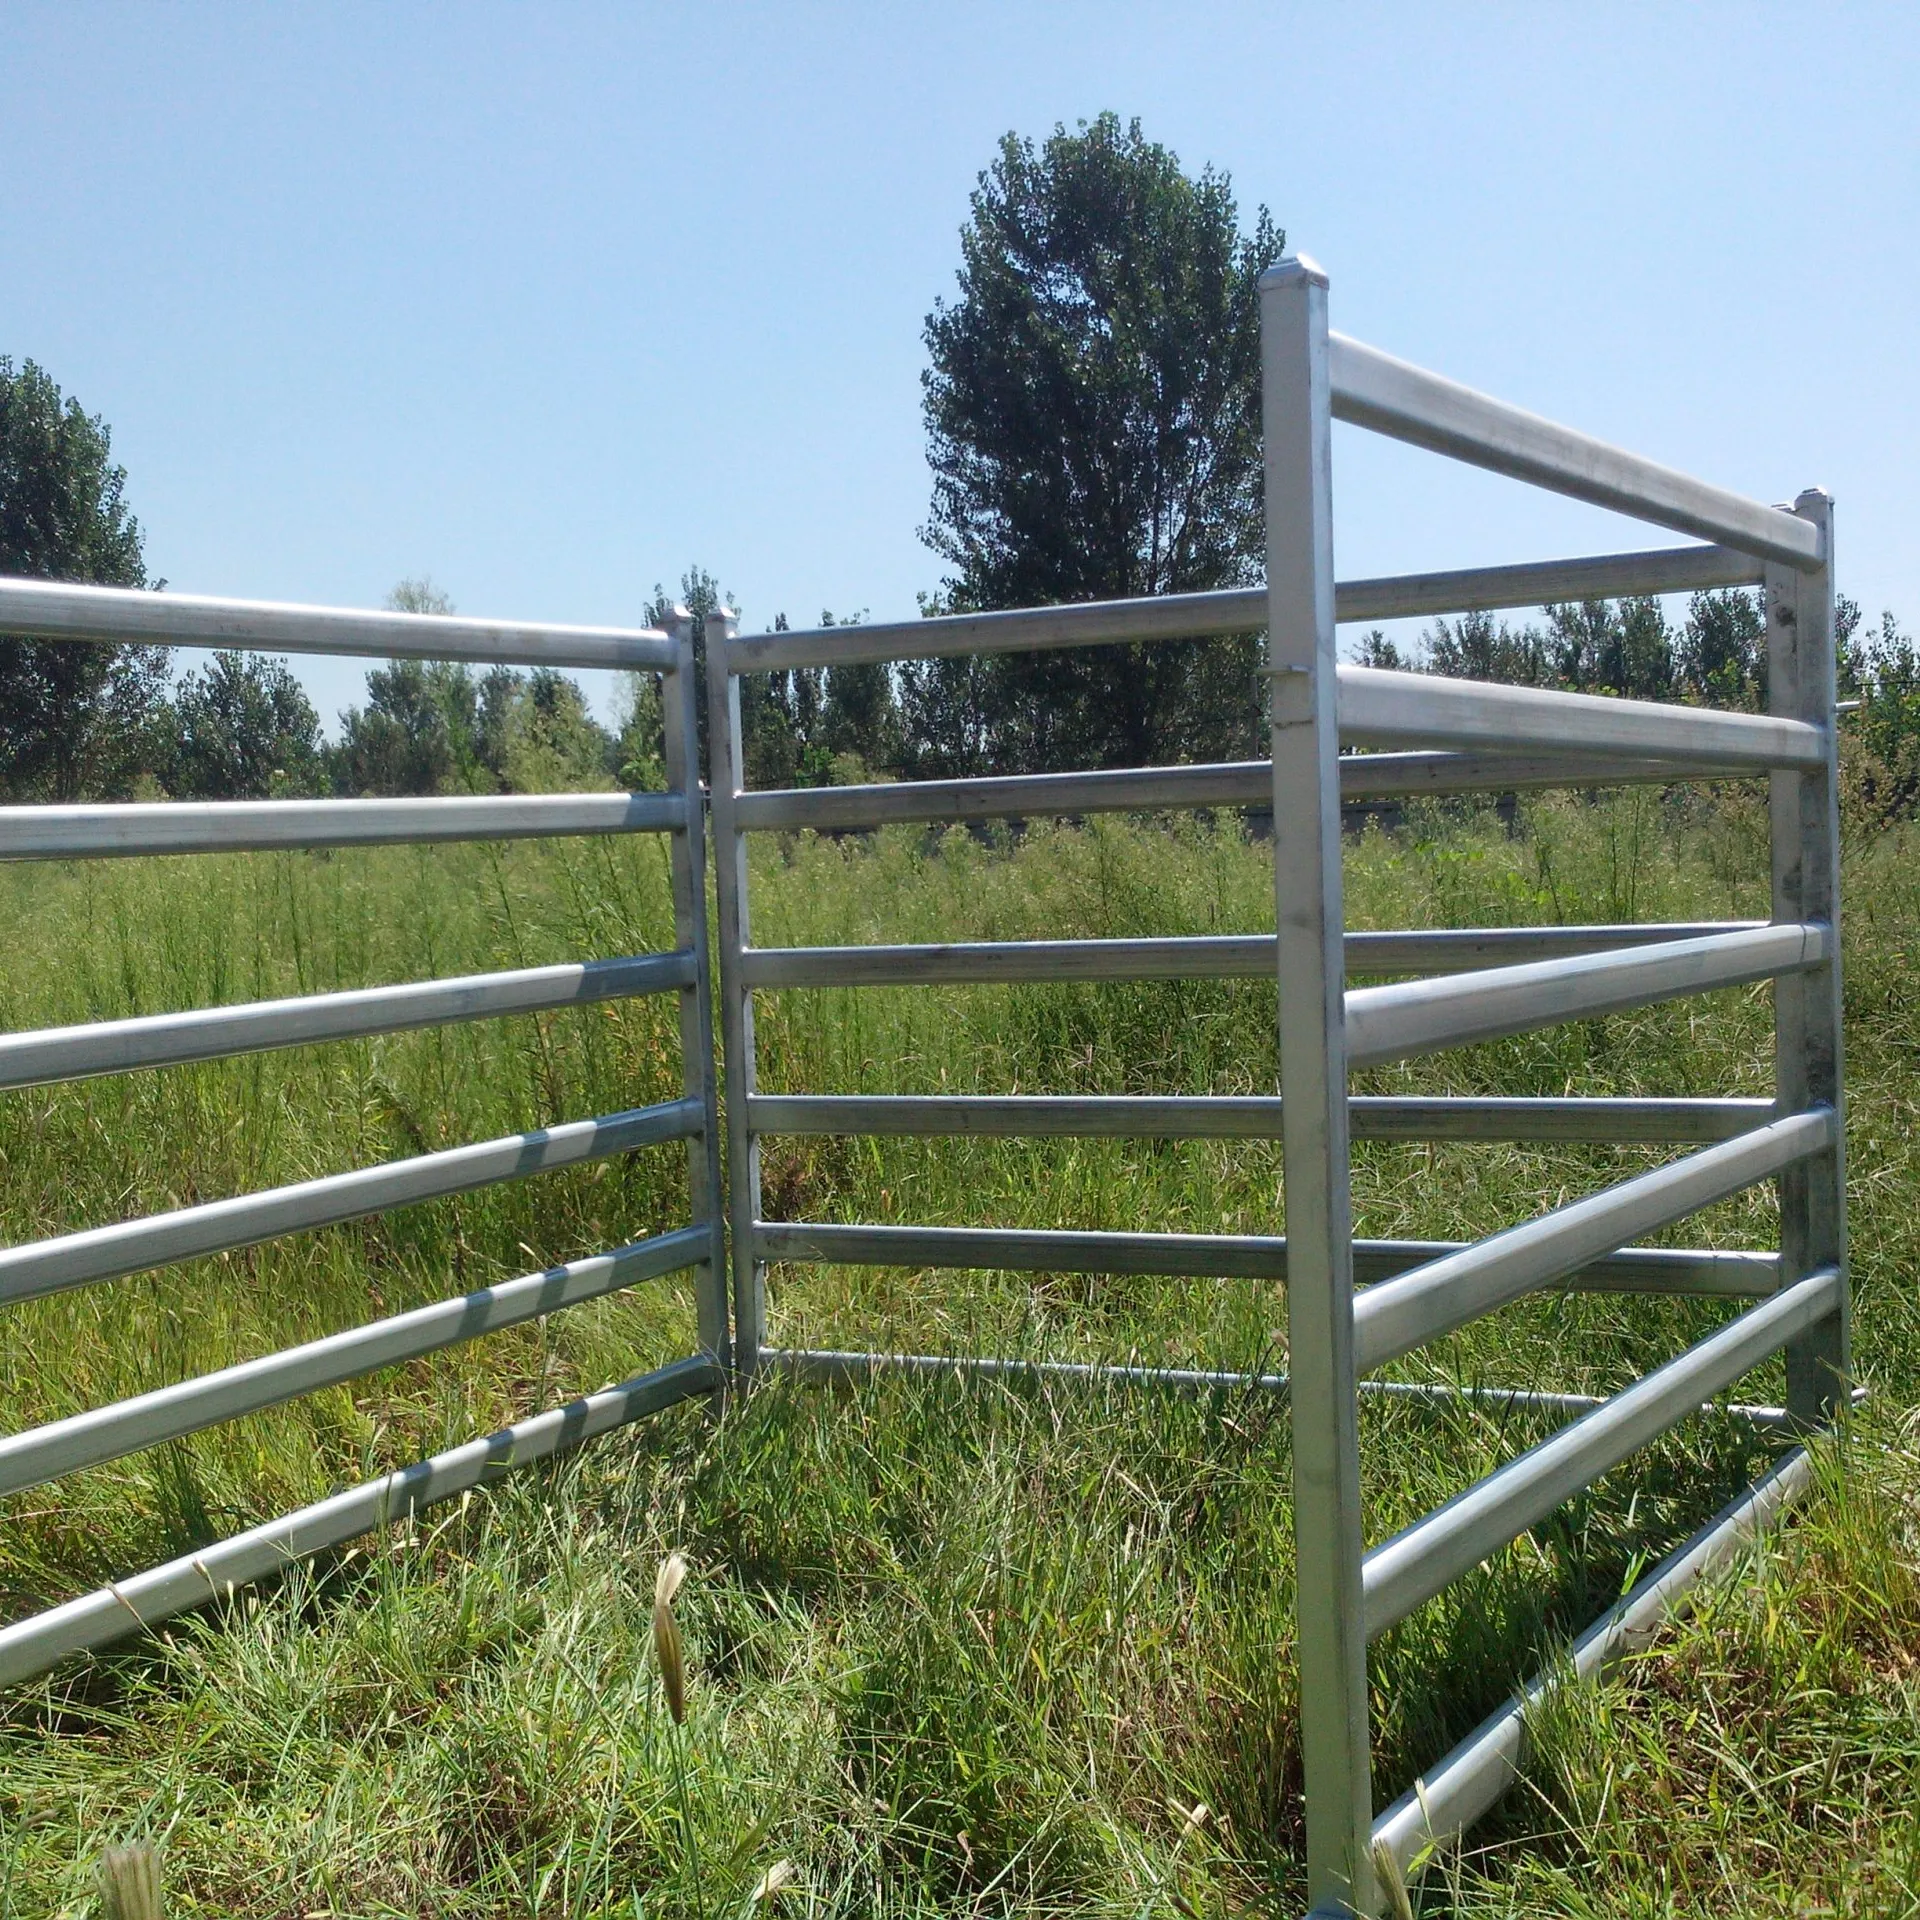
1092, 414
74, 719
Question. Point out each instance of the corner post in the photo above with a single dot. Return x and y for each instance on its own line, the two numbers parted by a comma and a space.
1296, 407
1809, 1062
680, 742
726, 757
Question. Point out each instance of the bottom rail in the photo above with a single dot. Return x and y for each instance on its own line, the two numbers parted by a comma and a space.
1677, 1270
827, 1364
127, 1607
1487, 1762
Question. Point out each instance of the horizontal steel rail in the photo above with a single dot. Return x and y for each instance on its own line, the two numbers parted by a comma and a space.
829, 1364
253, 826
169, 1413
1226, 956
1423, 1016
52, 610
1249, 1117
1542, 583
1394, 707
1228, 783
1662, 1270
1419, 1561
157, 1240
1372, 389
1421, 1305
143, 1600
1192, 616
53, 1054
1452, 1795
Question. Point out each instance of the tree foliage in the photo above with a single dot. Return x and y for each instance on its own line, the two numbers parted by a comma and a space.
436, 726
74, 720
1092, 414
243, 729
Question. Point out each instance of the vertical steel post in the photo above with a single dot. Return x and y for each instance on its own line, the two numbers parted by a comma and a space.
1297, 417
1808, 1056
727, 760
688, 854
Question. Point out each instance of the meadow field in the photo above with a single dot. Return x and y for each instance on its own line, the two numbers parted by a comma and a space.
955, 1647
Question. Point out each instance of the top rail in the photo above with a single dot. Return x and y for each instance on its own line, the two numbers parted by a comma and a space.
1192, 616
1373, 389
54, 610
240, 826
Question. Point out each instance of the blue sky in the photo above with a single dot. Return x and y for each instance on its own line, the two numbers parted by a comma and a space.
548, 302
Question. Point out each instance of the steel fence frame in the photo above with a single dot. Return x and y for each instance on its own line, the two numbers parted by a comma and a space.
84, 615
1432, 736
1441, 737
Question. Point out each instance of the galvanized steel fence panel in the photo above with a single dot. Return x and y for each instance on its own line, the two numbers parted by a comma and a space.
84, 615
1353, 1304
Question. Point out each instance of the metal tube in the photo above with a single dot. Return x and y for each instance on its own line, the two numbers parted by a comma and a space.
1372, 389
213, 1033
687, 854
1250, 1117
145, 1420
157, 1240
1422, 1016
1666, 1270
1250, 956
132, 1605
251, 826
1809, 1044
1408, 1570
1392, 707
1454, 1794
1540, 583
1406, 1312
1231, 783
830, 1365
1189, 616
52, 610
1310, 960
726, 750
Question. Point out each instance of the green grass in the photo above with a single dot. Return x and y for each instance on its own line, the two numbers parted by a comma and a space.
957, 1648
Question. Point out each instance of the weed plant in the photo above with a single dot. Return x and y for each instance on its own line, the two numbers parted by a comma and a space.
951, 1646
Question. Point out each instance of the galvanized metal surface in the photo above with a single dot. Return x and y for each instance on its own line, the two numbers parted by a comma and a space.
1465, 1784
1191, 616
1232, 783
212, 1033
88, 1439
157, 1240
1214, 956
1422, 1016
1809, 1037
1420, 1306
1251, 1117
143, 1600
1405, 402
1470, 737
51, 610
243, 826
1389, 707
1680, 1270
1403, 1573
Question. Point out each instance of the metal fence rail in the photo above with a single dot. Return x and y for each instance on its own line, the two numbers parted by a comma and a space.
1354, 1305
82, 614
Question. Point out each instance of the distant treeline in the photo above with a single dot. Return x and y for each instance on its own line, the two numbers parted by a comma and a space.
1716, 657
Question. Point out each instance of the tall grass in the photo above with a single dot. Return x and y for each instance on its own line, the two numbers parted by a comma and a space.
953, 1647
